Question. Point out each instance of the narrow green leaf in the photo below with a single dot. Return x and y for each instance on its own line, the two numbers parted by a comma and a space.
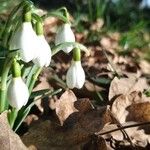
59, 47
38, 93
57, 14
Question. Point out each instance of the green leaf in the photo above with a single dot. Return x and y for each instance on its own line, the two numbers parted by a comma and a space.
38, 93
59, 47
57, 14
101, 80
30, 74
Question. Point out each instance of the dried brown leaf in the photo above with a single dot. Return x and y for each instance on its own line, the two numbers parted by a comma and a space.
134, 100
126, 86
137, 136
139, 112
8, 139
65, 106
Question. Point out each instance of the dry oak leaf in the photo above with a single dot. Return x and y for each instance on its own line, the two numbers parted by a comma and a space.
8, 139
64, 107
137, 136
126, 86
122, 102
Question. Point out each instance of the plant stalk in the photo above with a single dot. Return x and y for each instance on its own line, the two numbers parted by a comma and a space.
3, 89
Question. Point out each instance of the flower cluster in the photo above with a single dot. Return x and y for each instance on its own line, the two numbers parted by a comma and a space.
32, 46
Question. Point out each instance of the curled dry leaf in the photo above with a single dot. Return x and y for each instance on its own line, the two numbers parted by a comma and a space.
138, 137
65, 106
126, 86
132, 107
139, 112
8, 139
131, 101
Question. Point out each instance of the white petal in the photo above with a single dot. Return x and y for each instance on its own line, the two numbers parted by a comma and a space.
17, 93
25, 39
71, 76
43, 52
65, 34
80, 75
75, 76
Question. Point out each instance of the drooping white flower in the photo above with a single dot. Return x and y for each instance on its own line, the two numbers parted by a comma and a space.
65, 34
75, 75
25, 39
43, 52
17, 93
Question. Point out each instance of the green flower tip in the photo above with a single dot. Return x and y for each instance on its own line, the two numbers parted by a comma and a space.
76, 54
27, 14
16, 70
39, 28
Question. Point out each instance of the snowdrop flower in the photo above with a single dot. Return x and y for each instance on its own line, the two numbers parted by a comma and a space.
75, 75
25, 40
17, 92
43, 53
43, 57
65, 34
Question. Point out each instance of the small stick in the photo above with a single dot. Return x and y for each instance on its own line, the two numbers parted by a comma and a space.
124, 127
122, 130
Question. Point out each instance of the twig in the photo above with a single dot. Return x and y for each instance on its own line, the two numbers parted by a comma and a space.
124, 127
122, 130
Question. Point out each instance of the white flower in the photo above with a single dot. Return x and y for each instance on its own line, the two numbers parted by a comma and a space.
65, 34
17, 93
75, 75
43, 52
25, 39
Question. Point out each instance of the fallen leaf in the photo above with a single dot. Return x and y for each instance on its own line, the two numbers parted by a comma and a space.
65, 106
8, 139
126, 86
139, 112
145, 66
135, 99
138, 137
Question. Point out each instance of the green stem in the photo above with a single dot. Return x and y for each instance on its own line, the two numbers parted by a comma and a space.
29, 76
59, 15
12, 117
76, 54
34, 78
3, 89
65, 13
39, 28
16, 71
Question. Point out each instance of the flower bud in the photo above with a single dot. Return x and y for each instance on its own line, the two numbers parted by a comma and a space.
17, 93
65, 34
25, 40
75, 75
43, 57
